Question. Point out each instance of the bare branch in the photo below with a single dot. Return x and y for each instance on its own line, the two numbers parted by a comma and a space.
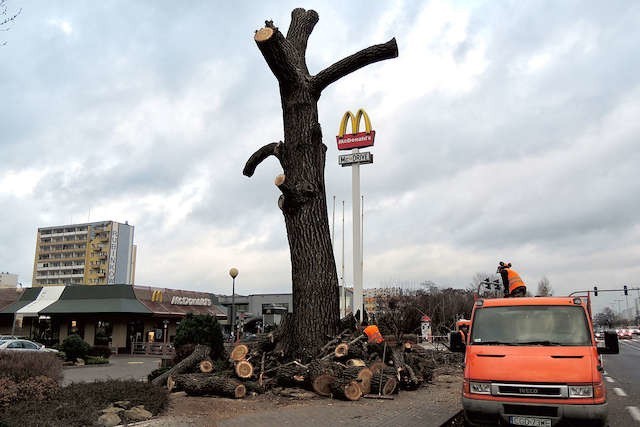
302, 24
259, 156
279, 53
354, 62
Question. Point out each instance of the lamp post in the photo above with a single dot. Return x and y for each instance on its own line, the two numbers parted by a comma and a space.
233, 272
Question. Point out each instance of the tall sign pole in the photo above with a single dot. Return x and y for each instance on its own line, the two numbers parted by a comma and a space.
357, 238
354, 141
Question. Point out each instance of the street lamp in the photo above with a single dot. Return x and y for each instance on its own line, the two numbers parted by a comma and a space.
233, 272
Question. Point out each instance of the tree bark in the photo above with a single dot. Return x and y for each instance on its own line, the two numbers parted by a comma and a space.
302, 156
190, 363
346, 389
201, 384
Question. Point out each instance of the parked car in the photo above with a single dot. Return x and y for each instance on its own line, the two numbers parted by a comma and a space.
624, 334
8, 337
635, 330
23, 345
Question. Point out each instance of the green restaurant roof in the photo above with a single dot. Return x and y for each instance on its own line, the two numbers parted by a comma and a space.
97, 299
28, 296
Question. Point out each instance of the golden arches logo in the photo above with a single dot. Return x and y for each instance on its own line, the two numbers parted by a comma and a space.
355, 139
156, 296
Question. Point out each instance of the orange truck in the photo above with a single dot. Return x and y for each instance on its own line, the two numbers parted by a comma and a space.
533, 362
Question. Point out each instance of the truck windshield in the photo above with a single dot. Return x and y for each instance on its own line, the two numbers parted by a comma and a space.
530, 325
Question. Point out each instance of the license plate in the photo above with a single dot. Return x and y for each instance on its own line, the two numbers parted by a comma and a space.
530, 421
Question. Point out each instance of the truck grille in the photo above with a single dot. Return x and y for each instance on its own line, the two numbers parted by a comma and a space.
530, 390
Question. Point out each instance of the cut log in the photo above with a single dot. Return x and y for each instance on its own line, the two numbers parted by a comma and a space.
244, 369
356, 362
239, 352
201, 352
291, 376
377, 366
346, 389
341, 350
171, 384
407, 346
321, 384
362, 375
383, 384
321, 375
206, 366
203, 384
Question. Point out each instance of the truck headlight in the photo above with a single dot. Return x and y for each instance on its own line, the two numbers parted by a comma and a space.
480, 388
580, 391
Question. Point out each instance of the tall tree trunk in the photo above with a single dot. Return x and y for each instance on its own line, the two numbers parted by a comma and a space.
302, 157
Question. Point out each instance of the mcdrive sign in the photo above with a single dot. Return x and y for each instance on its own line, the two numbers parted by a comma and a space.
355, 139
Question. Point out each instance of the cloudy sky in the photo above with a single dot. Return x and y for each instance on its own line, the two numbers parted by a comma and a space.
505, 131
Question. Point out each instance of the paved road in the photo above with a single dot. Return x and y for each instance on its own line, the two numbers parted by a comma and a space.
622, 373
119, 367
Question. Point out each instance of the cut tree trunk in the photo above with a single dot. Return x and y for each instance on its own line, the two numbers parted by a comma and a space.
383, 384
190, 363
346, 389
244, 369
362, 375
292, 376
239, 352
206, 366
302, 156
203, 384
321, 375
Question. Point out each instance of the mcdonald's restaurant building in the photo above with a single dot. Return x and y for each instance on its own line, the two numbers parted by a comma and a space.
119, 316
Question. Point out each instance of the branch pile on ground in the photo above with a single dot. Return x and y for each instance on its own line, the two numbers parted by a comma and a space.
346, 367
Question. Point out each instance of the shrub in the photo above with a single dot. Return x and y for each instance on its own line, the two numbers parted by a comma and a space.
79, 404
103, 351
91, 360
74, 347
38, 388
9, 391
201, 329
20, 365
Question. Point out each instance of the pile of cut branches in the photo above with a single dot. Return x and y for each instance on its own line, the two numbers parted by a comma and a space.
347, 367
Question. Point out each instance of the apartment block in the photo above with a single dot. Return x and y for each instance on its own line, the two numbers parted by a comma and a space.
97, 253
8, 280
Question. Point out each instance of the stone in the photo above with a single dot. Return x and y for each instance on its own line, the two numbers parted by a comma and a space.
112, 410
109, 420
125, 404
137, 413
79, 362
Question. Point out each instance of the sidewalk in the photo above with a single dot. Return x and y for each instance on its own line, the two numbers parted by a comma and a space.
428, 406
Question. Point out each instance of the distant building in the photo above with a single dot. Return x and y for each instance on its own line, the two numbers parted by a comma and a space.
97, 253
8, 280
269, 308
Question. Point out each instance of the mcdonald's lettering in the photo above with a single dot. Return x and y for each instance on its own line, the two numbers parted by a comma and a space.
355, 139
156, 296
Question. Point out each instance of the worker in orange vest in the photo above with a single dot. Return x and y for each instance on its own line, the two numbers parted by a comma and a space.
513, 284
374, 339
373, 334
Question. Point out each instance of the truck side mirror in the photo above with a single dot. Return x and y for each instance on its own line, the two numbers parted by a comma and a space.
610, 344
456, 344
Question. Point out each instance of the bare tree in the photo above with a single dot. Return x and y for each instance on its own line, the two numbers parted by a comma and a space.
544, 288
302, 157
6, 18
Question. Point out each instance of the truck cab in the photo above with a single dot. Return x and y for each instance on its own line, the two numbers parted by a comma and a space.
533, 362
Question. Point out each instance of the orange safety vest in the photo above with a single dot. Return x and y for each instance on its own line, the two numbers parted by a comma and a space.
515, 281
373, 333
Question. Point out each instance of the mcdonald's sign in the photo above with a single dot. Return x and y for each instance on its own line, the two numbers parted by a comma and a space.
355, 139
156, 296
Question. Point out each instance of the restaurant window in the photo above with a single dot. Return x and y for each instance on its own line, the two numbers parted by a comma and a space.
103, 333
